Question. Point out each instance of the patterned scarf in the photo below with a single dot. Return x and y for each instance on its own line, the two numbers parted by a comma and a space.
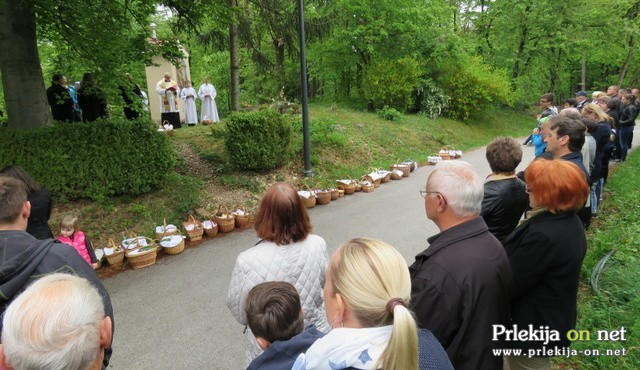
346, 347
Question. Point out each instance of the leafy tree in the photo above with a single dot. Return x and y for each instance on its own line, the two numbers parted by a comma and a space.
104, 34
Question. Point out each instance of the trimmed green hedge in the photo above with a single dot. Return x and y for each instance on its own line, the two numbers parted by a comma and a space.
258, 140
91, 160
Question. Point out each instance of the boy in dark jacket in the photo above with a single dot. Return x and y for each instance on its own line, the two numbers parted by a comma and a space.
275, 317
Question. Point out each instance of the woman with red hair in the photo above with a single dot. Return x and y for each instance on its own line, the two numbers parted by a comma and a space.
546, 252
287, 251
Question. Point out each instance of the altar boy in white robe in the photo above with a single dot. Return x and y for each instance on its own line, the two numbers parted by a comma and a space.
188, 94
168, 91
208, 95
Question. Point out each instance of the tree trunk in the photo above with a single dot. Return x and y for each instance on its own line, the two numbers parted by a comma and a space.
628, 60
22, 83
278, 46
233, 52
524, 35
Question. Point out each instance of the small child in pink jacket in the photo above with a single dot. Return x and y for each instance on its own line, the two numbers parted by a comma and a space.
70, 234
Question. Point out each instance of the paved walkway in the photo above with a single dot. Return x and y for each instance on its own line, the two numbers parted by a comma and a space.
173, 315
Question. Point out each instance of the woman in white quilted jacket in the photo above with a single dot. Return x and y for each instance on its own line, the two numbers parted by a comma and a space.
287, 251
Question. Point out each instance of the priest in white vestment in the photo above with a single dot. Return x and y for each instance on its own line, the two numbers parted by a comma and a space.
208, 109
188, 94
168, 91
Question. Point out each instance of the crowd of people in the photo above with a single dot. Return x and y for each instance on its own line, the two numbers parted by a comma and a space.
507, 258
609, 120
85, 101
488, 269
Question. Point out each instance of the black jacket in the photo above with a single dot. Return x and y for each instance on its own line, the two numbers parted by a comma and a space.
60, 102
93, 103
504, 202
283, 354
628, 116
38, 224
546, 254
460, 287
601, 135
25, 259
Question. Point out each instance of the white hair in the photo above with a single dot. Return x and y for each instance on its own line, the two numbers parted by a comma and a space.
460, 185
54, 324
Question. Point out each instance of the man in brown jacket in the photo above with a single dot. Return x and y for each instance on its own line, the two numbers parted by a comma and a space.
460, 285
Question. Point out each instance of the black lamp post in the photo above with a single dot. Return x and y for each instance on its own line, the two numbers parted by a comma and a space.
308, 171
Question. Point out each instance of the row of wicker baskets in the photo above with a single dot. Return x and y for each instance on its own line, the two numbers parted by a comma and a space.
141, 251
367, 184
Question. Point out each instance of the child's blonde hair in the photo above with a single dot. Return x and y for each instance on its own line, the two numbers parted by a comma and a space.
69, 221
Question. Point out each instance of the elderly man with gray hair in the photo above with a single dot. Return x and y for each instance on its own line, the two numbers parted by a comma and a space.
58, 322
460, 284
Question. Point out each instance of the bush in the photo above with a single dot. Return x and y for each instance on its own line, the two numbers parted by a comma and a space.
391, 83
91, 160
258, 140
473, 87
389, 114
431, 100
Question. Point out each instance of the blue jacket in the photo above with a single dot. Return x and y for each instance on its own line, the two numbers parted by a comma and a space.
538, 143
282, 354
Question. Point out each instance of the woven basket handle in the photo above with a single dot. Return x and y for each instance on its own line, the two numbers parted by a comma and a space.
313, 193
352, 180
112, 244
225, 208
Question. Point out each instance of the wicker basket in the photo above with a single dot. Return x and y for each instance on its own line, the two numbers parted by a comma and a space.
323, 196
161, 231
118, 253
309, 201
210, 231
349, 186
335, 193
225, 219
175, 249
444, 153
193, 228
147, 257
206, 121
367, 186
397, 174
374, 178
406, 169
413, 165
242, 220
386, 175
358, 186
434, 159
169, 132
340, 193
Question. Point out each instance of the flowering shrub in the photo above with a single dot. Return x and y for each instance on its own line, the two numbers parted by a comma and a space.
431, 100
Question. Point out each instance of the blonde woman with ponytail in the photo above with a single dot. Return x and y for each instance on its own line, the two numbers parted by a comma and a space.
366, 292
